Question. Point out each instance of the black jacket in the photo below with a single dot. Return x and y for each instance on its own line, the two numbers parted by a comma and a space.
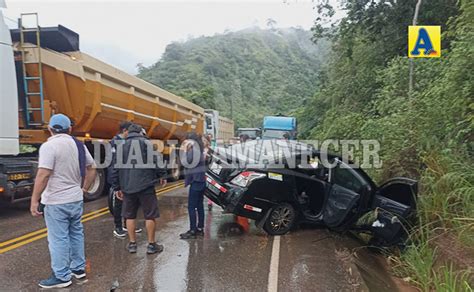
130, 175
113, 148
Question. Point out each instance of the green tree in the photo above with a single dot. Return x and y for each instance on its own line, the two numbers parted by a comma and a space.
245, 75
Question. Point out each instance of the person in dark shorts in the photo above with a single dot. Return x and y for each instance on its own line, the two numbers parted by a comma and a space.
119, 230
195, 178
135, 185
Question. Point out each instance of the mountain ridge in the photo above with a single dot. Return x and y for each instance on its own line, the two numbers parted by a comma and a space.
245, 74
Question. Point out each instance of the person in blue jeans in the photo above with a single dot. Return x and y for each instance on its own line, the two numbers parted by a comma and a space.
194, 177
65, 172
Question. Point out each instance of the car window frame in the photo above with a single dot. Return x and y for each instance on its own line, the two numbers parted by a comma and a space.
364, 183
307, 171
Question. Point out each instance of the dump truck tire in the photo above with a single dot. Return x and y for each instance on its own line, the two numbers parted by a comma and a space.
97, 187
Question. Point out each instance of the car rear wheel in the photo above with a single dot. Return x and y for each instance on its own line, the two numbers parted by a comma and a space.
281, 219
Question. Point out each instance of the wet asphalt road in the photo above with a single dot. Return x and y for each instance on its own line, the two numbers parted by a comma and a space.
233, 255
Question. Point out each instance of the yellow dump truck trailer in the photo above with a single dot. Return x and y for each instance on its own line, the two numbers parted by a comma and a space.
226, 129
97, 96
48, 74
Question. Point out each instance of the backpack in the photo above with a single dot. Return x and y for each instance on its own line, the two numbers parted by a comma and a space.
82, 157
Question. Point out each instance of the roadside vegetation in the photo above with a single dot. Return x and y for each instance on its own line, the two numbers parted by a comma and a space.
245, 74
426, 133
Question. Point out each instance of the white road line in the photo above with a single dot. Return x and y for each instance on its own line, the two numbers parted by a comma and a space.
274, 262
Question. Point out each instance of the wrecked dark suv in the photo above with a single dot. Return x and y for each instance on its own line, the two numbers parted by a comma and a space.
293, 186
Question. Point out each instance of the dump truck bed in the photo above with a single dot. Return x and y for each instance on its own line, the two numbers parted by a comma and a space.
226, 129
97, 97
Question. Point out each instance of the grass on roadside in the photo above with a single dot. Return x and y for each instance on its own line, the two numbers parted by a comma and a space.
445, 203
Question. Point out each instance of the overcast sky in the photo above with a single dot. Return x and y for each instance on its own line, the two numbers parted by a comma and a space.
126, 33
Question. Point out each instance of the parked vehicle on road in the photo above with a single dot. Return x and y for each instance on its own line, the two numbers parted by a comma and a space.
220, 128
277, 127
253, 133
43, 72
296, 188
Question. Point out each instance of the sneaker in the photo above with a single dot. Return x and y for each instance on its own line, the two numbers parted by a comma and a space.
53, 282
79, 274
200, 232
132, 247
120, 232
190, 234
137, 230
154, 248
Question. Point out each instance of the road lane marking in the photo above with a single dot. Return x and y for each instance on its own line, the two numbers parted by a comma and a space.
28, 235
29, 240
21, 243
22, 237
42, 233
8, 242
274, 262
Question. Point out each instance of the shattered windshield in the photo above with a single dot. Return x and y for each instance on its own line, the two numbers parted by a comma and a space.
261, 153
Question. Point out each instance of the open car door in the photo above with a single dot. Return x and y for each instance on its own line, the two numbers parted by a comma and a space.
348, 190
340, 204
395, 204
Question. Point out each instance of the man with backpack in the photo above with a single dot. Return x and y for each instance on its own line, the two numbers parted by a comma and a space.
65, 172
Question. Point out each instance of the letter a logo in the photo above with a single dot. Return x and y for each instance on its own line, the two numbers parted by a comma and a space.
424, 41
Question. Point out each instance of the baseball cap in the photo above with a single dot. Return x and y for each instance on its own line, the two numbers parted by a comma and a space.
59, 123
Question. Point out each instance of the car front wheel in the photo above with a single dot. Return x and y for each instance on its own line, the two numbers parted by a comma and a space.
281, 219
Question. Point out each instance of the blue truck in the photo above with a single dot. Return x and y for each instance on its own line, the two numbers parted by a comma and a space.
279, 127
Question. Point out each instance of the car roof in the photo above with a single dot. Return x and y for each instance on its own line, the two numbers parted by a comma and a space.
270, 150
279, 150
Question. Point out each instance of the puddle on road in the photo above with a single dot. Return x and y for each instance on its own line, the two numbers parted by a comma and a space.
201, 264
206, 264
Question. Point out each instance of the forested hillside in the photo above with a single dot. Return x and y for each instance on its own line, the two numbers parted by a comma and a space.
245, 74
426, 133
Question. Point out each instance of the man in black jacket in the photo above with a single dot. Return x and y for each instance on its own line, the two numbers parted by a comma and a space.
119, 230
134, 179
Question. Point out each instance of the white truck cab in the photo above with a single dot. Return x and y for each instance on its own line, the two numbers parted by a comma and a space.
211, 123
9, 143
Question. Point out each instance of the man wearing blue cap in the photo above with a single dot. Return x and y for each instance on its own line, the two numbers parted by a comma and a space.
65, 172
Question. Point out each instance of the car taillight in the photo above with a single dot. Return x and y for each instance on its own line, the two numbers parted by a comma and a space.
244, 178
